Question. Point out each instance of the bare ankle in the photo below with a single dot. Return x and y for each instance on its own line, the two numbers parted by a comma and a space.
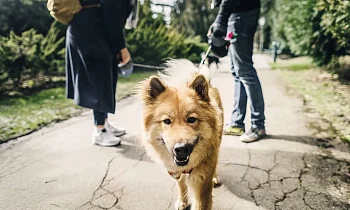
100, 126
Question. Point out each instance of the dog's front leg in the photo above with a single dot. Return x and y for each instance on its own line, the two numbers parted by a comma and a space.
182, 200
202, 194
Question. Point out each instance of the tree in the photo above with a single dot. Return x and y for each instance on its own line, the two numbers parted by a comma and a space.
25, 56
22, 15
307, 27
193, 18
153, 41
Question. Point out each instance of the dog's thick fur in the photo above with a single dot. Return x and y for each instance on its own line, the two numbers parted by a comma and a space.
182, 107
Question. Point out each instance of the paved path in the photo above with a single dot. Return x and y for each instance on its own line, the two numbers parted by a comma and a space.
58, 168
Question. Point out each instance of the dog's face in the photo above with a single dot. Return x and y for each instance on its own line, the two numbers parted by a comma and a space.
179, 123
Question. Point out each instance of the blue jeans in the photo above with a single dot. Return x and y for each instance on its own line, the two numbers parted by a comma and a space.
247, 84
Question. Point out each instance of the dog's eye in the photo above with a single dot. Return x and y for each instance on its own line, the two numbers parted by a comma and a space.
167, 121
191, 120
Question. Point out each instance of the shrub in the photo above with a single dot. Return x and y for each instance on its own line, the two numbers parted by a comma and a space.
153, 44
27, 56
195, 48
307, 27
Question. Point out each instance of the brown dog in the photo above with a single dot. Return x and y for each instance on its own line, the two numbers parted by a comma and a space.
182, 129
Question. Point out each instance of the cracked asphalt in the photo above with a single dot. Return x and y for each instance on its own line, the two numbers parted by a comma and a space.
58, 168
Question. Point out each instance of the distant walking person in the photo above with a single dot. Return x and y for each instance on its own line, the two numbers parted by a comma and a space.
241, 17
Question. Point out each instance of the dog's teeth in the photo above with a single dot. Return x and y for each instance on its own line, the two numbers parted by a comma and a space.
181, 161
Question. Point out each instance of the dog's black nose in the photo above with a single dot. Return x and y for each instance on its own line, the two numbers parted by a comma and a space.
182, 150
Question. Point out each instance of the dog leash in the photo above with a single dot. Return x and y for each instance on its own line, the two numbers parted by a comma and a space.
148, 66
204, 58
162, 68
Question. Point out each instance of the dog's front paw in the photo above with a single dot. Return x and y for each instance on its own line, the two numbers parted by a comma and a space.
181, 205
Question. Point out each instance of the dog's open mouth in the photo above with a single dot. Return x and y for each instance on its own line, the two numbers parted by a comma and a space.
181, 161
182, 152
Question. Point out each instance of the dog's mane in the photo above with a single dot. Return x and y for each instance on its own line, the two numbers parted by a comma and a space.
180, 71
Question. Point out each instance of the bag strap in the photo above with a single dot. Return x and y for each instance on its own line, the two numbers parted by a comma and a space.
90, 6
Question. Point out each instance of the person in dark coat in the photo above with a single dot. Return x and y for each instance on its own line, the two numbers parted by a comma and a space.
241, 18
94, 44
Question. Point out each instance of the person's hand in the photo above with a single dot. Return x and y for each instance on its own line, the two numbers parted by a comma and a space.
219, 30
124, 56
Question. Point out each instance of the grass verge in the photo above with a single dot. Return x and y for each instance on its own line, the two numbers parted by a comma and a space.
322, 92
22, 115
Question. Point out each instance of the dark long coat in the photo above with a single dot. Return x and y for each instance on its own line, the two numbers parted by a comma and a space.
94, 38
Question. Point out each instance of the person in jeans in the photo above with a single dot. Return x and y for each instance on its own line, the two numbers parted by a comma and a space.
95, 44
241, 17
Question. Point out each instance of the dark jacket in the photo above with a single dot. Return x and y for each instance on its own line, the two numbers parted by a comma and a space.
94, 38
115, 13
238, 5
227, 7
242, 5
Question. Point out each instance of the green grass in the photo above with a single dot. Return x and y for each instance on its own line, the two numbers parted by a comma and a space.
321, 91
25, 114
295, 64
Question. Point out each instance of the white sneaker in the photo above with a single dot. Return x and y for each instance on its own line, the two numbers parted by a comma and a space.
104, 138
253, 134
116, 131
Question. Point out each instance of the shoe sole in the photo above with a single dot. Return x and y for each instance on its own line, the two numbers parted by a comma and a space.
107, 145
120, 134
233, 134
253, 140
94, 142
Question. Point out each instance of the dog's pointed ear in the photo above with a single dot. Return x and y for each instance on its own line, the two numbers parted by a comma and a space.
201, 86
154, 88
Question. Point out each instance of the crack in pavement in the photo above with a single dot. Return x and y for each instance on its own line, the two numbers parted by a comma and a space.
268, 172
116, 199
253, 196
46, 182
336, 185
304, 196
299, 178
133, 166
52, 204
257, 168
105, 182
335, 181
285, 195
100, 187
109, 193
273, 167
247, 170
249, 167
239, 164
302, 171
122, 194
287, 186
